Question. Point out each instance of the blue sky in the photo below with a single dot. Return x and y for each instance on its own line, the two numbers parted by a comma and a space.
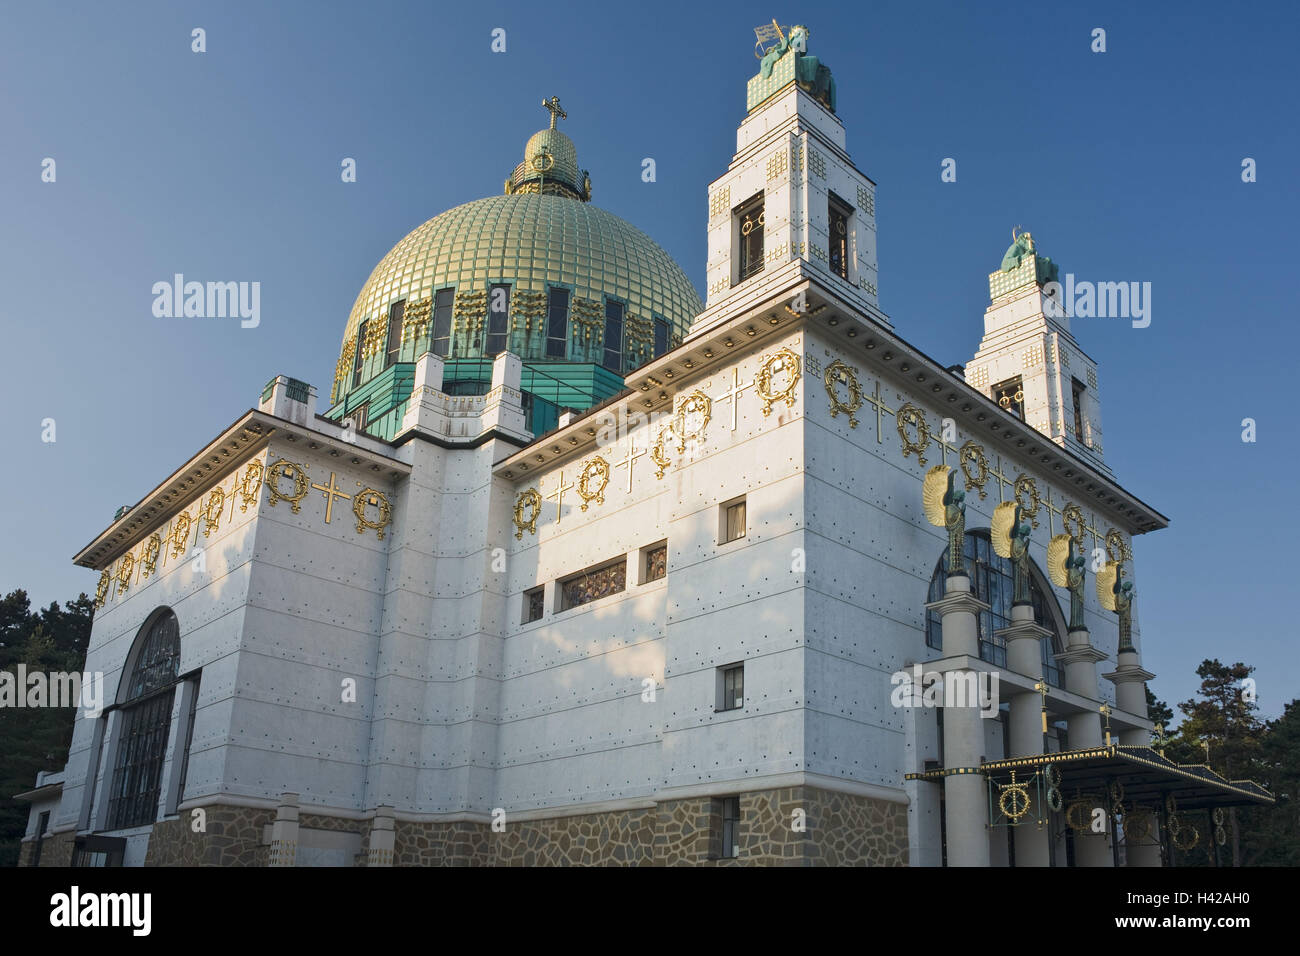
1126, 165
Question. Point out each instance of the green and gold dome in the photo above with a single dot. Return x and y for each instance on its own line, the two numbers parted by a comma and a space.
582, 296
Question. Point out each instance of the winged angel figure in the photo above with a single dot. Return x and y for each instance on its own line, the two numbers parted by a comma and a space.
1065, 566
945, 507
1116, 594
1010, 534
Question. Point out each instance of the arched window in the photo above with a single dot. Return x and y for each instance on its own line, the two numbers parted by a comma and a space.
992, 582
145, 699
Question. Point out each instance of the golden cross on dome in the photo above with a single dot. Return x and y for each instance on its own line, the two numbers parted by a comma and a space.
553, 104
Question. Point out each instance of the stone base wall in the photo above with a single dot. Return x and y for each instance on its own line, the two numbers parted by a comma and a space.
57, 850
232, 837
792, 826
25, 850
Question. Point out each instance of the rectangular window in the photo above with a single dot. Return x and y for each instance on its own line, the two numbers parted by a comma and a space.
593, 584
189, 740
557, 323
498, 318
730, 827
731, 687
733, 521
442, 303
42, 824
395, 313
1078, 410
749, 225
141, 749
655, 562
1010, 396
838, 225
613, 336
361, 416
661, 337
534, 603
358, 356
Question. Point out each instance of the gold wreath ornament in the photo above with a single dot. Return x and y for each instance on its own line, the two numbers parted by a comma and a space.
909, 414
374, 498
528, 499
592, 481
972, 452
783, 360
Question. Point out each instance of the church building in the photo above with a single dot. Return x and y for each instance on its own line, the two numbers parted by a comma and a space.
565, 566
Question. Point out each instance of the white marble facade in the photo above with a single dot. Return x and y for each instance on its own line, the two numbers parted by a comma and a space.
459, 707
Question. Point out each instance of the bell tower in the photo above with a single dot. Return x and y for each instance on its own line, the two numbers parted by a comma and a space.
1029, 363
791, 200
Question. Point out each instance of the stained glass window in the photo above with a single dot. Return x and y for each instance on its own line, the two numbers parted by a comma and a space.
656, 563
534, 603
595, 584
992, 582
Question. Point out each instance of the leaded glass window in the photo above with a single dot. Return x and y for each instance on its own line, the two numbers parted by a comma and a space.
534, 604
992, 582
594, 584
145, 724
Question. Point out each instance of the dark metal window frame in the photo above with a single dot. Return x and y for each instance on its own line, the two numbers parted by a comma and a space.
395, 313
498, 323
1013, 407
444, 301
733, 681
358, 358
557, 321
750, 249
615, 312
1077, 390
840, 213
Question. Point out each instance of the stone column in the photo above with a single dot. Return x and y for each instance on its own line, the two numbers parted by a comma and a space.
382, 838
966, 792
1130, 695
1080, 660
1025, 726
284, 832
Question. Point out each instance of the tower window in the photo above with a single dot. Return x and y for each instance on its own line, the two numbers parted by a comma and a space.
613, 335
1078, 409
442, 303
359, 355
395, 313
557, 322
838, 225
661, 336
749, 224
1010, 396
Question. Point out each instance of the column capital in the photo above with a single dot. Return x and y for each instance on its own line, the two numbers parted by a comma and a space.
957, 601
1127, 674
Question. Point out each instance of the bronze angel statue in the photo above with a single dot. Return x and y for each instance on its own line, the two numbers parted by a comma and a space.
945, 507
1065, 566
1116, 594
1010, 534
